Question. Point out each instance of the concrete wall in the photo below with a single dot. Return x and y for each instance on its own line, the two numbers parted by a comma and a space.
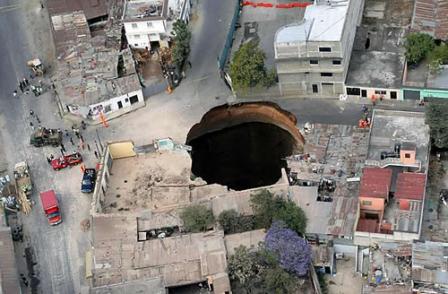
140, 32
366, 239
376, 92
113, 104
377, 204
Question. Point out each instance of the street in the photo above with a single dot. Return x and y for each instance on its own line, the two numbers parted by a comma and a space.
25, 33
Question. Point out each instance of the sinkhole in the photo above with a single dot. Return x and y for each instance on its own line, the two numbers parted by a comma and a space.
243, 146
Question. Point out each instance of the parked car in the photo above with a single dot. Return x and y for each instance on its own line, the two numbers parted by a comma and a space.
88, 180
66, 160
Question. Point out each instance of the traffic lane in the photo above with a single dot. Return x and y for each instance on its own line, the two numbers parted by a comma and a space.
209, 32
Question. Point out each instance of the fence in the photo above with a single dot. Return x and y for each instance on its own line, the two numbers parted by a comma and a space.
222, 59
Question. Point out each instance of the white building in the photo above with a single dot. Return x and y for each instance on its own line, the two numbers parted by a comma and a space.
148, 23
312, 56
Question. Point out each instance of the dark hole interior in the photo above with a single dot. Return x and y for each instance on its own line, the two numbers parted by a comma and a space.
241, 157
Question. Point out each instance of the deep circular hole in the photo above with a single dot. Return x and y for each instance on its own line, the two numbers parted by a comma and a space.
245, 156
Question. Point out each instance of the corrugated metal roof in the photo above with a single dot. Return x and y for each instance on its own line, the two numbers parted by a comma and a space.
375, 182
410, 186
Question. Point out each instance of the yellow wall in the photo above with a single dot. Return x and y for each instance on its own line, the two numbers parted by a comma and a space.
121, 149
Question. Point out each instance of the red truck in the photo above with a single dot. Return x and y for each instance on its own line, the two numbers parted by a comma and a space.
51, 207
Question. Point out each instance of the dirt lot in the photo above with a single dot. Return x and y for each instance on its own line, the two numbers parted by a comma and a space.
345, 281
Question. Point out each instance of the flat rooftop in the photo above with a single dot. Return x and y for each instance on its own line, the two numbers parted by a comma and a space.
390, 127
157, 181
145, 9
404, 220
262, 23
92, 9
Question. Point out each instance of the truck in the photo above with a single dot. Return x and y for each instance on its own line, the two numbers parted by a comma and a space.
23, 178
50, 206
44, 136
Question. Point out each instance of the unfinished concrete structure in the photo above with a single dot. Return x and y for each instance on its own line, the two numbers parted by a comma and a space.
312, 56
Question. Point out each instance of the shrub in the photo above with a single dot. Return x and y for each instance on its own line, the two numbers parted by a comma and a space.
197, 218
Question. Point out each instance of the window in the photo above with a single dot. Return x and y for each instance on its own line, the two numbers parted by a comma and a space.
363, 93
367, 203
315, 90
353, 91
149, 24
134, 25
107, 108
393, 95
407, 155
137, 36
126, 100
324, 49
337, 62
133, 99
314, 61
327, 84
326, 74
380, 92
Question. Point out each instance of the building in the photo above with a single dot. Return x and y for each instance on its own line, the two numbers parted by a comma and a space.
430, 17
148, 23
9, 275
430, 267
93, 77
392, 194
312, 56
94, 10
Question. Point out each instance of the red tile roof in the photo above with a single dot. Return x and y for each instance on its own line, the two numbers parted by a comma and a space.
410, 186
375, 182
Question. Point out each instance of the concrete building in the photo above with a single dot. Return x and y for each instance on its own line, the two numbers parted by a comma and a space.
148, 23
93, 77
399, 143
9, 275
312, 56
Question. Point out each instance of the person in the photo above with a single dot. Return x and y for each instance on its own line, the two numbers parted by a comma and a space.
71, 141
88, 147
96, 154
21, 87
63, 147
31, 112
38, 120
26, 82
49, 160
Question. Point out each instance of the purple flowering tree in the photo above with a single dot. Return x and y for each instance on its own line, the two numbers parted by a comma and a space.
292, 251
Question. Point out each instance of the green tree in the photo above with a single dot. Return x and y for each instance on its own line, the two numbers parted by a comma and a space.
438, 57
247, 68
436, 114
243, 268
197, 218
229, 220
268, 208
418, 46
181, 47
279, 281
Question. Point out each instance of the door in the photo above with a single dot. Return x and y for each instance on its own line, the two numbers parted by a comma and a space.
120, 105
363, 93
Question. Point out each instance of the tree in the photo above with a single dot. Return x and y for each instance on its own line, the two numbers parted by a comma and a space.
229, 220
438, 57
292, 251
418, 45
279, 281
181, 48
268, 208
197, 218
438, 127
247, 68
242, 267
